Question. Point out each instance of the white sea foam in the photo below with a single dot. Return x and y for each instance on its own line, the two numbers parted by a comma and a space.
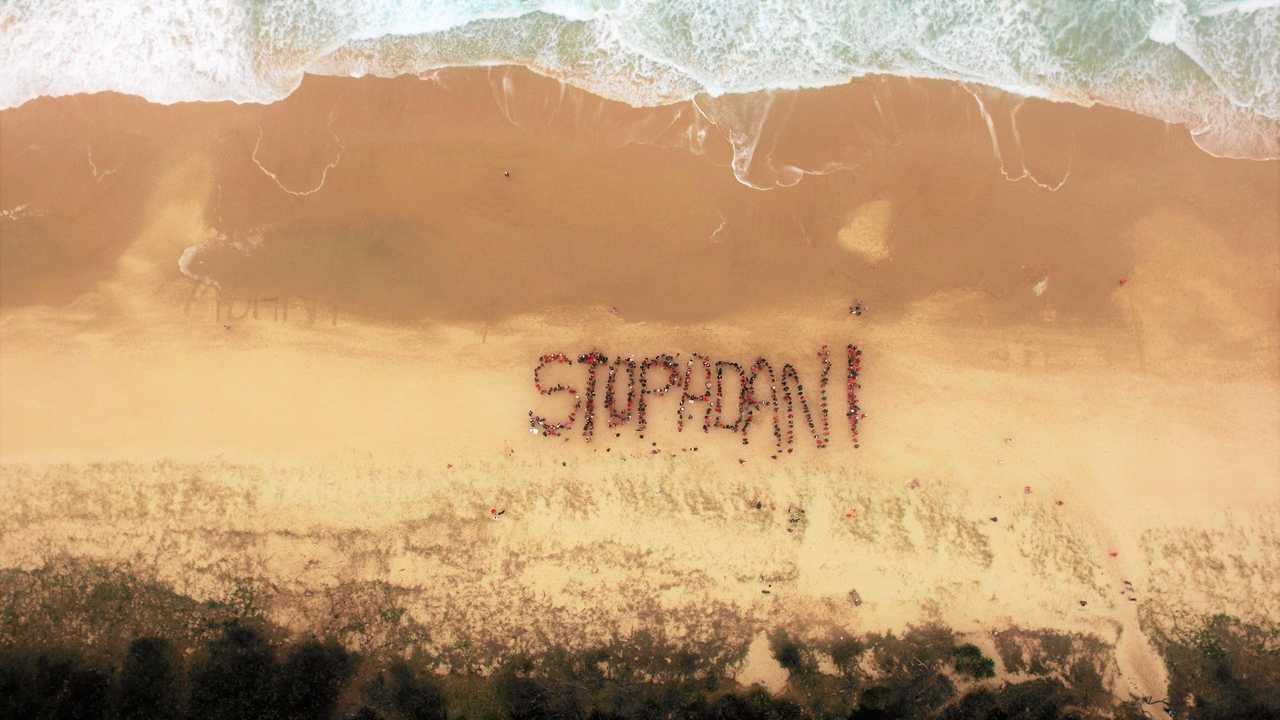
1213, 65
187, 266
1238, 6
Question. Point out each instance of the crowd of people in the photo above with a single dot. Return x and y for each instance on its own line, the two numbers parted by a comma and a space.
642, 386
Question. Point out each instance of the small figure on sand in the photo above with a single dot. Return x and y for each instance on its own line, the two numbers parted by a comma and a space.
506, 174
1129, 592
795, 517
857, 309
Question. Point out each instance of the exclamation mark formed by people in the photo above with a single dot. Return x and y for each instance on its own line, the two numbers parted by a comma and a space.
855, 413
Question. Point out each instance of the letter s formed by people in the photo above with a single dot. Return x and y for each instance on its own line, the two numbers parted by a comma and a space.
539, 424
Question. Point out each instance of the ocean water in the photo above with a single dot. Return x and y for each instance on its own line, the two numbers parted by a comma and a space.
1211, 65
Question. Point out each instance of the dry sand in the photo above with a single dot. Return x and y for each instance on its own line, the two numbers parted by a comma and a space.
1086, 307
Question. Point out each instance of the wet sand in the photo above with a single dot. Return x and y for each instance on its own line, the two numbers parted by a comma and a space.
1070, 358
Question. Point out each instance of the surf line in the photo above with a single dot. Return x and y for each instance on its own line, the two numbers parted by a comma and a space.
698, 381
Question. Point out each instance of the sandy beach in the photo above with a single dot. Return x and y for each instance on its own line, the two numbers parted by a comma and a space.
288, 350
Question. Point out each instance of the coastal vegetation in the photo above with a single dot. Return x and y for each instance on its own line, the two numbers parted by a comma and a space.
95, 659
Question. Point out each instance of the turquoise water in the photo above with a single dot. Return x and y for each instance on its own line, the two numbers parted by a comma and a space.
1213, 65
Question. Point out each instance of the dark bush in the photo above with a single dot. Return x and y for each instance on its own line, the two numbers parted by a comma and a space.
1042, 699
756, 704
794, 657
522, 697
85, 695
53, 685
310, 679
1228, 669
233, 677
1086, 684
969, 660
401, 691
845, 653
910, 683
150, 681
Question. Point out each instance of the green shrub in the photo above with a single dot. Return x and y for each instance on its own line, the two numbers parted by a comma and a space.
969, 660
